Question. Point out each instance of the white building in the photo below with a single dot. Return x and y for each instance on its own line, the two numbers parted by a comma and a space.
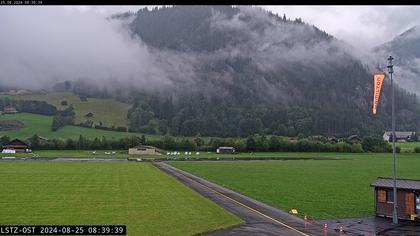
399, 136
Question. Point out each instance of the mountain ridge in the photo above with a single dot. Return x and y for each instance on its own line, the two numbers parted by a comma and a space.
243, 70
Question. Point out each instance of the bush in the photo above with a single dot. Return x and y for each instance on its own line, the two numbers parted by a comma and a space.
356, 147
371, 144
417, 149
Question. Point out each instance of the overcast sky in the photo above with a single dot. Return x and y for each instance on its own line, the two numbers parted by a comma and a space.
361, 26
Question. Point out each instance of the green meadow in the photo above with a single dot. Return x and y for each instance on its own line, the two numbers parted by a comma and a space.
408, 146
322, 189
41, 125
137, 195
108, 111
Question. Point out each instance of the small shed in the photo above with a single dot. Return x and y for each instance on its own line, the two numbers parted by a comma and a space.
226, 150
408, 198
142, 150
17, 145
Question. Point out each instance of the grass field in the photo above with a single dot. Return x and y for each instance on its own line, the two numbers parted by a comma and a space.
324, 189
41, 125
135, 194
108, 111
408, 146
70, 154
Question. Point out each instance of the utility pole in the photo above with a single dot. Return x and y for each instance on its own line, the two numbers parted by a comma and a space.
391, 71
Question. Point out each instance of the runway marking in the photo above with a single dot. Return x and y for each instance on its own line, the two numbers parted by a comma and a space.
246, 206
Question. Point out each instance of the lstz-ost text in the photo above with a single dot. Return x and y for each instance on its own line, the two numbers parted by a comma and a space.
63, 230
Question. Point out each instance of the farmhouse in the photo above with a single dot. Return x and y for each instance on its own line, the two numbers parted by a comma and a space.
225, 150
9, 110
142, 150
332, 139
408, 198
354, 138
399, 136
17, 145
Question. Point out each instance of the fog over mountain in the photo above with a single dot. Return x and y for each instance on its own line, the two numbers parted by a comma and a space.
405, 48
216, 71
41, 46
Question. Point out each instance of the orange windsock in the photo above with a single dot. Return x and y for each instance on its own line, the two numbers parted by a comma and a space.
378, 79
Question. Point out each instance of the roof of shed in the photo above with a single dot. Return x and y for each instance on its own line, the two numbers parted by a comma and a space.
401, 183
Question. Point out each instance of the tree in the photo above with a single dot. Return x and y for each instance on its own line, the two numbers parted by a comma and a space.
199, 141
105, 143
63, 118
4, 140
249, 126
188, 144
142, 139
372, 144
82, 143
70, 144
168, 142
96, 144
251, 144
261, 143
191, 127
162, 126
34, 141
277, 143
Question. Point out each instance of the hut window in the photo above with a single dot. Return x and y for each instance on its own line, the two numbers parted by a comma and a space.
389, 196
381, 196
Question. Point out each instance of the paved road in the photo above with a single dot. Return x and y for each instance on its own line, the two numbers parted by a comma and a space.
260, 219
375, 226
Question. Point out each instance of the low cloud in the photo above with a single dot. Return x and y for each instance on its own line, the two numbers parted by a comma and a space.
43, 45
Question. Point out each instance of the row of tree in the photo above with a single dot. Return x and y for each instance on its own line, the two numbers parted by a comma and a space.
63, 118
254, 143
36, 107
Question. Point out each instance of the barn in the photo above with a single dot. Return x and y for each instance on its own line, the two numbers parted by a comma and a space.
408, 198
226, 150
142, 150
399, 136
17, 145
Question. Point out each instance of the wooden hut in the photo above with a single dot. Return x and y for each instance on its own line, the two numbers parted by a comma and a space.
408, 198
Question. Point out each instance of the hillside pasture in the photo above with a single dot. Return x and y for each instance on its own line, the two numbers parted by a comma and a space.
108, 111
41, 125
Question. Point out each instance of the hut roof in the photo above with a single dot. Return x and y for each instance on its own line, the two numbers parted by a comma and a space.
401, 183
